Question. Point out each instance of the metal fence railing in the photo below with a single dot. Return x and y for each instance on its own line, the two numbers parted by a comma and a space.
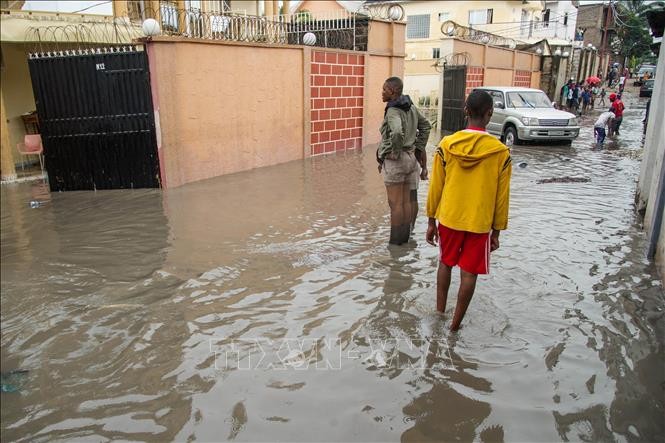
341, 30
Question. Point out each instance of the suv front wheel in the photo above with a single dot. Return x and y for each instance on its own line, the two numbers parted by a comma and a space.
510, 137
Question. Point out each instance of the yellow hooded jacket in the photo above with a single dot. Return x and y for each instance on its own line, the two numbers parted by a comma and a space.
469, 188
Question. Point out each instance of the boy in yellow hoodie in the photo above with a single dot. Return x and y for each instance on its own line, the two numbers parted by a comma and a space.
468, 195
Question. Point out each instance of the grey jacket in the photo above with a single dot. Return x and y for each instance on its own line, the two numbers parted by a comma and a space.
403, 127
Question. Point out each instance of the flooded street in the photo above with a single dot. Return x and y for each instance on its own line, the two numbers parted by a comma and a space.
266, 306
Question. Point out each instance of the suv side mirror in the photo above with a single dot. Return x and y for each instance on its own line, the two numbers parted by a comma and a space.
499, 105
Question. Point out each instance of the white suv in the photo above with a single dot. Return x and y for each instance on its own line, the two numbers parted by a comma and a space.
528, 114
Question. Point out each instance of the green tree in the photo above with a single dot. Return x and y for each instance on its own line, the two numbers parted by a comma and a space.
633, 38
634, 6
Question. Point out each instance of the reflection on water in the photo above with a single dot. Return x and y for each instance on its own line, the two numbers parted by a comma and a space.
266, 306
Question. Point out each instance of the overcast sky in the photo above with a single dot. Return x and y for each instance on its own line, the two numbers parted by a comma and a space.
105, 7
95, 7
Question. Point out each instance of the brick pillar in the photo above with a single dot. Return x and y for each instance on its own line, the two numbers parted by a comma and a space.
337, 91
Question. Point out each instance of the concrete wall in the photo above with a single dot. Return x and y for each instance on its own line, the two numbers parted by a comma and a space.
379, 71
499, 77
651, 184
492, 66
385, 59
222, 111
496, 66
224, 107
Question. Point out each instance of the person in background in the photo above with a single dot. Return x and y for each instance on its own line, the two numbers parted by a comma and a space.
617, 107
586, 100
468, 197
403, 131
610, 77
574, 95
602, 95
565, 90
595, 90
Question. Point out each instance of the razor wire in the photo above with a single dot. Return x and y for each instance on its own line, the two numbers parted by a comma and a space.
453, 29
334, 30
383, 11
80, 36
454, 59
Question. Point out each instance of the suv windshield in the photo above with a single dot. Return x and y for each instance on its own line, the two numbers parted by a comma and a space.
528, 99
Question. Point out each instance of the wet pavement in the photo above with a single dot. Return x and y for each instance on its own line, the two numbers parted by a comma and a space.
265, 306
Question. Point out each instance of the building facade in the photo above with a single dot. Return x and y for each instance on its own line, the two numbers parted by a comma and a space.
596, 27
522, 21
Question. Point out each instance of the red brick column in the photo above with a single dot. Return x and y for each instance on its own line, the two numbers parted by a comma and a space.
337, 85
522, 78
475, 76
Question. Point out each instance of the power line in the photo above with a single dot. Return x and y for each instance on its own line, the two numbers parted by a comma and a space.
92, 6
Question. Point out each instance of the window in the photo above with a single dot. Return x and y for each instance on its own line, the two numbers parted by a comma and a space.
436, 52
497, 97
220, 6
524, 20
546, 18
193, 5
169, 13
136, 10
565, 19
528, 99
444, 16
417, 26
480, 16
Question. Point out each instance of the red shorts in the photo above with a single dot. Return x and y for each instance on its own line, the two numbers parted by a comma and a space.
468, 250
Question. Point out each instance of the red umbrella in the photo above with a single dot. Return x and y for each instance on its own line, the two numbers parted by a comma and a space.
593, 80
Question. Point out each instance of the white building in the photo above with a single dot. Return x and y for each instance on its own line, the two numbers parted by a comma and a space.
555, 21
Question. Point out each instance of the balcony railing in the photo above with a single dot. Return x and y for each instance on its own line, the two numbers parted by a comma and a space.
340, 30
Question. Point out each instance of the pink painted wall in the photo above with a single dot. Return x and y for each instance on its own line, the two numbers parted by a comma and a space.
223, 109
386, 59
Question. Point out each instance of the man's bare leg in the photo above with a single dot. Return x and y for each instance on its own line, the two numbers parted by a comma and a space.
407, 212
442, 285
395, 201
414, 208
466, 288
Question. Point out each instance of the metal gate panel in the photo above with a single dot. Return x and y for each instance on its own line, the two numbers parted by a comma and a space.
452, 98
96, 119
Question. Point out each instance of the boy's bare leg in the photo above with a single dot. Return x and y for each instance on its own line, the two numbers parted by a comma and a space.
442, 285
466, 288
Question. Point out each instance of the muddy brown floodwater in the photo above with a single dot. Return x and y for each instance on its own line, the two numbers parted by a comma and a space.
265, 306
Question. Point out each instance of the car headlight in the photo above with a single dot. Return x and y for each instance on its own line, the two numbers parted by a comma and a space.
573, 122
530, 121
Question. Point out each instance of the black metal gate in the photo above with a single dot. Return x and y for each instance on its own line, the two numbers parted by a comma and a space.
96, 119
452, 98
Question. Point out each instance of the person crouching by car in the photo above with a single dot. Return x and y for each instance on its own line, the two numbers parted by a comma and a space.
605, 119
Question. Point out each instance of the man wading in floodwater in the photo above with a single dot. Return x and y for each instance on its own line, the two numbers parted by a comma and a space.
404, 130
